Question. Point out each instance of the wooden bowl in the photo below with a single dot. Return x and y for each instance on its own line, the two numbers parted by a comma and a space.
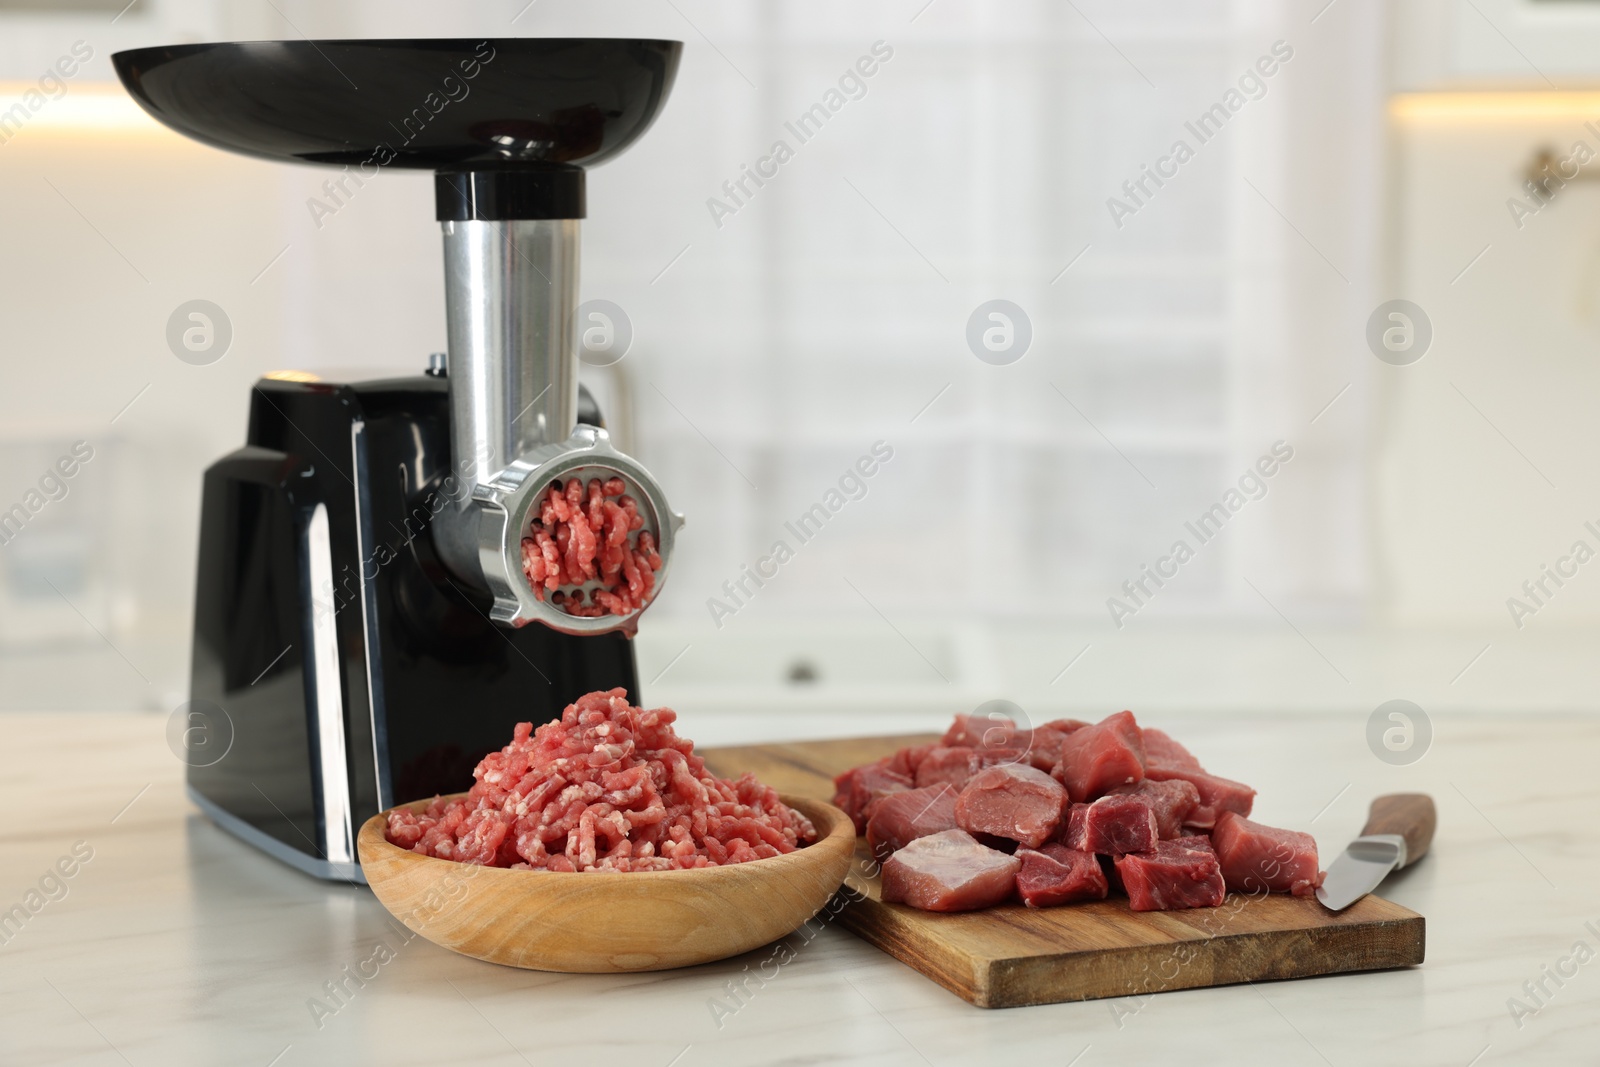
608, 922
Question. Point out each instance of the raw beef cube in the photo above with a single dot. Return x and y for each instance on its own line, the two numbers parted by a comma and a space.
996, 740
1015, 801
1101, 757
944, 763
1168, 761
956, 765
906, 760
1172, 801
1217, 795
1040, 747
949, 871
1254, 857
900, 818
860, 786
1044, 750
1044, 743
1159, 748
1074, 825
1064, 726
1113, 825
1171, 877
983, 732
1056, 874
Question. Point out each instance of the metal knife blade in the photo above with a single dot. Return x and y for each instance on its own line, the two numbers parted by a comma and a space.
1359, 868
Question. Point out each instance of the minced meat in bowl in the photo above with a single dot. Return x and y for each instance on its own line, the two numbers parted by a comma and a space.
608, 787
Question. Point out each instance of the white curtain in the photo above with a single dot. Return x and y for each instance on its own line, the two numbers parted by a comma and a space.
980, 161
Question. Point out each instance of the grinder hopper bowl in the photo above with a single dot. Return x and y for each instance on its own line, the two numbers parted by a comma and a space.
362, 607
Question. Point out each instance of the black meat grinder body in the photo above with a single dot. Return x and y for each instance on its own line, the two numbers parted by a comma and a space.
348, 655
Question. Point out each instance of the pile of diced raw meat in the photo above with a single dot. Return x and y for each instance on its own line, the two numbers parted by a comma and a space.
609, 787
1065, 812
581, 537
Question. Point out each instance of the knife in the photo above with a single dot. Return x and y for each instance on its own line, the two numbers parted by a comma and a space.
1398, 832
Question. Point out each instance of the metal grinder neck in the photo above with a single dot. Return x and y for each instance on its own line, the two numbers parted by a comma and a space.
511, 293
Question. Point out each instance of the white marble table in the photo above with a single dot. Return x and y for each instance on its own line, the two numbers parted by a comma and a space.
175, 944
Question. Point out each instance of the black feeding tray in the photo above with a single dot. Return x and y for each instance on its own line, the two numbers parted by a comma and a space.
519, 104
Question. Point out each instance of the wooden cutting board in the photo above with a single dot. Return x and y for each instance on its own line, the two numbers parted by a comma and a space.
1011, 955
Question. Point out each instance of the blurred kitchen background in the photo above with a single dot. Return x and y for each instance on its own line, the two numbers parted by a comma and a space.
1172, 344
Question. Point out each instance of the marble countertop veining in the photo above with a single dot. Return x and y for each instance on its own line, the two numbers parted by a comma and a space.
174, 944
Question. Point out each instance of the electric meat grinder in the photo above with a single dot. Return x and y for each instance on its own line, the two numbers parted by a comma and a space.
361, 630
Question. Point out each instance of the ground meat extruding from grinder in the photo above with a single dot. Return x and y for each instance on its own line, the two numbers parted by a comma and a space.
609, 787
586, 533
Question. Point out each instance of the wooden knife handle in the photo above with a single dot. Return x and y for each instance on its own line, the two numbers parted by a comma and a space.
1411, 815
